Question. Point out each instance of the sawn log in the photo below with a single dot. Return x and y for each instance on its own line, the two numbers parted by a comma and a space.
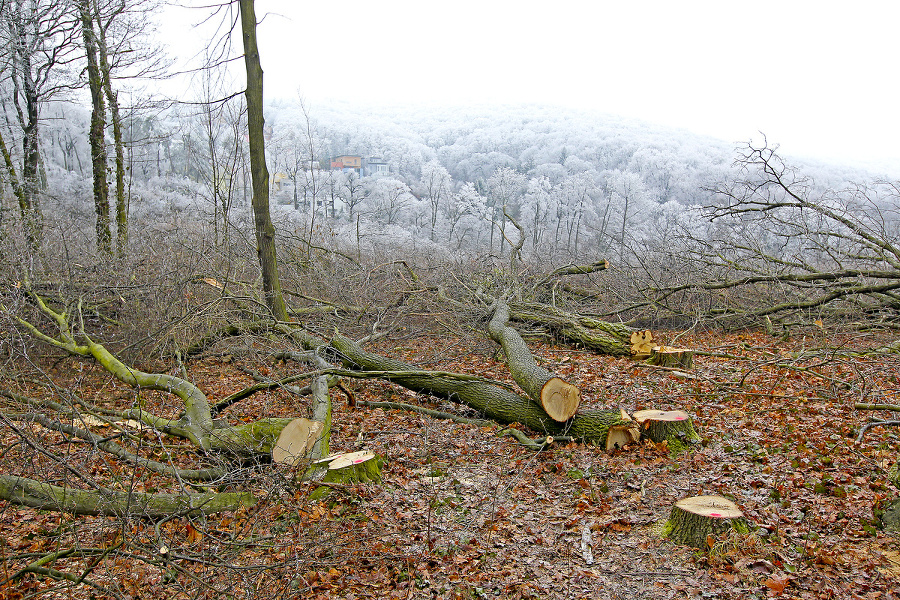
558, 398
493, 401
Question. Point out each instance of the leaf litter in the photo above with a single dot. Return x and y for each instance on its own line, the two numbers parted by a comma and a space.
463, 513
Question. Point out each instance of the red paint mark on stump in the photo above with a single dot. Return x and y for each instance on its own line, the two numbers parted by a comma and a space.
715, 514
679, 418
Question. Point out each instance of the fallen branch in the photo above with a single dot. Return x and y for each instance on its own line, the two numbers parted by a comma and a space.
867, 426
107, 502
866, 406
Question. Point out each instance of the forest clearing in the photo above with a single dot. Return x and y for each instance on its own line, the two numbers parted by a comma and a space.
253, 350
462, 508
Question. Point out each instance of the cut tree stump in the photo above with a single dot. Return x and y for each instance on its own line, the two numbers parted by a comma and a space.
349, 467
667, 356
699, 520
674, 427
296, 441
558, 398
354, 467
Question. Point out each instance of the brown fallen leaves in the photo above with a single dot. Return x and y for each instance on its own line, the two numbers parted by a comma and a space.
463, 513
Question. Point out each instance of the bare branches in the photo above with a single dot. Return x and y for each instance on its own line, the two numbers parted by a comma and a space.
778, 244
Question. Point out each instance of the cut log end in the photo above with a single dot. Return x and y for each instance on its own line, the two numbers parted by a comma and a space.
699, 520
641, 344
560, 399
296, 441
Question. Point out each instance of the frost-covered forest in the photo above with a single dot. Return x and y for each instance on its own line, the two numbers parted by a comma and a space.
579, 184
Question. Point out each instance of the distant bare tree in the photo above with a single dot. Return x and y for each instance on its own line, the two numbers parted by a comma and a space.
781, 250
38, 46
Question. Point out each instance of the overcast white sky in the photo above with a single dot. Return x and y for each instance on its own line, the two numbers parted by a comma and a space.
818, 77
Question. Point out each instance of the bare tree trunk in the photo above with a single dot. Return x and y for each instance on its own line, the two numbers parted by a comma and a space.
116, 118
97, 139
265, 230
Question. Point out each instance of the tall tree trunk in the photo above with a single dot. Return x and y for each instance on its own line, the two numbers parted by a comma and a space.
18, 190
33, 219
98, 122
265, 231
112, 100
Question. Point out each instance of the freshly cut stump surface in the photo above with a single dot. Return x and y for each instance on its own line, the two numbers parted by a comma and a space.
698, 520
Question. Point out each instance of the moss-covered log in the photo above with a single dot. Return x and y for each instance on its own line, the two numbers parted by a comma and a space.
493, 401
258, 437
103, 501
599, 336
558, 398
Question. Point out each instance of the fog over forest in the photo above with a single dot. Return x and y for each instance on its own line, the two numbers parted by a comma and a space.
580, 185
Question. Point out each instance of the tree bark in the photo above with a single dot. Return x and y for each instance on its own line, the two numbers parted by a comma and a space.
104, 501
97, 133
112, 100
600, 336
557, 397
265, 230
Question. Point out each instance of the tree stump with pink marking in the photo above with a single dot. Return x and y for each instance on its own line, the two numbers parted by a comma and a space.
674, 427
353, 467
698, 521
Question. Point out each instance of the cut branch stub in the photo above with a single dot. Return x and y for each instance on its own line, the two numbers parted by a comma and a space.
623, 434
667, 356
698, 520
641, 344
674, 427
296, 441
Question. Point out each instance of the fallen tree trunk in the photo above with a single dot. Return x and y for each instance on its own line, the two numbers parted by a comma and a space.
599, 336
493, 401
107, 502
558, 398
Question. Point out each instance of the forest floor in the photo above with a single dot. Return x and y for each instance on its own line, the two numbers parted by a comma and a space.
463, 513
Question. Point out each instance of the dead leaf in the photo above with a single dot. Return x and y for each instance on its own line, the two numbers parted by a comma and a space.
776, 585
